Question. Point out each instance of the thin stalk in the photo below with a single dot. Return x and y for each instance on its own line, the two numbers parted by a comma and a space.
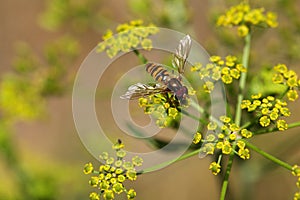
270, 130
203, 111
190, 115
159, 166
141, 57
242, 84
268, 156
226, 177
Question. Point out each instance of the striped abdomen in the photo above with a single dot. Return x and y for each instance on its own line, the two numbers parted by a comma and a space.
158, 72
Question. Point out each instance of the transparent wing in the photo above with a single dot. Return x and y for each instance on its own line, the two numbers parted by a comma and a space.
139, 90
182, 53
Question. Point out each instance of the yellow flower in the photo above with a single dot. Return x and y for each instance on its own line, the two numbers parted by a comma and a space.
94, 196
277, 78
227, 148
94, 181
225, 119
292, 81
292, 95
282, 125
143, 102
215, 58
256, 96
146, 44
131, 194
108, 194
221, 136
196, 67
227, 79
271, 19
243, 30
255, 16
296, 170
88, 168
107, 35
246, 134
208, 86
215, 168
245, 104
197, 138
230, 58
232, 137
123, 27
235, 73
233, 127
212, 126
216, 74
264, 121
137, 22
209, 148
244, 17
219, 145
172, 112
241, 144
225, 70
281, 68
244, 153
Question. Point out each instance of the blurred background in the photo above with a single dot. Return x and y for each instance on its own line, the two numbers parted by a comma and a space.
43, 43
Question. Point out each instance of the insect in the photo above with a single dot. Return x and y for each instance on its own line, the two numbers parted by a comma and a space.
166, 82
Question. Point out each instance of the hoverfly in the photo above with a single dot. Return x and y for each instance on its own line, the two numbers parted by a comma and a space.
167, 82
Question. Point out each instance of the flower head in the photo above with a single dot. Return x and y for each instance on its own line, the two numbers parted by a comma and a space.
164, 107
111, 175
245, 17
269, 110
129, 36
226, 70
287, 77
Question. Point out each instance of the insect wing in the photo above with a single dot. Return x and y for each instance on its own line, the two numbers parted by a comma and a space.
139, 90
181, 53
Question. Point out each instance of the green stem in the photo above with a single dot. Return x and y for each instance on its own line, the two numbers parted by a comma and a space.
270, 130
140, 56
226, 177
238, 111
242, 84
190, 115
203, 111
268, 156
159, 166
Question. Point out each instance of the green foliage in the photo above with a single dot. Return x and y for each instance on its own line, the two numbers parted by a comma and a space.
166, 13
20, 98
22, 91
58, 55
77, 15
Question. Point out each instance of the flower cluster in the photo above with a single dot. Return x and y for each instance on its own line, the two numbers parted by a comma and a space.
244, 17
268, 109
227, 70
289, 78
130, 36
164, 107
296, 172
226, 138
111, 175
